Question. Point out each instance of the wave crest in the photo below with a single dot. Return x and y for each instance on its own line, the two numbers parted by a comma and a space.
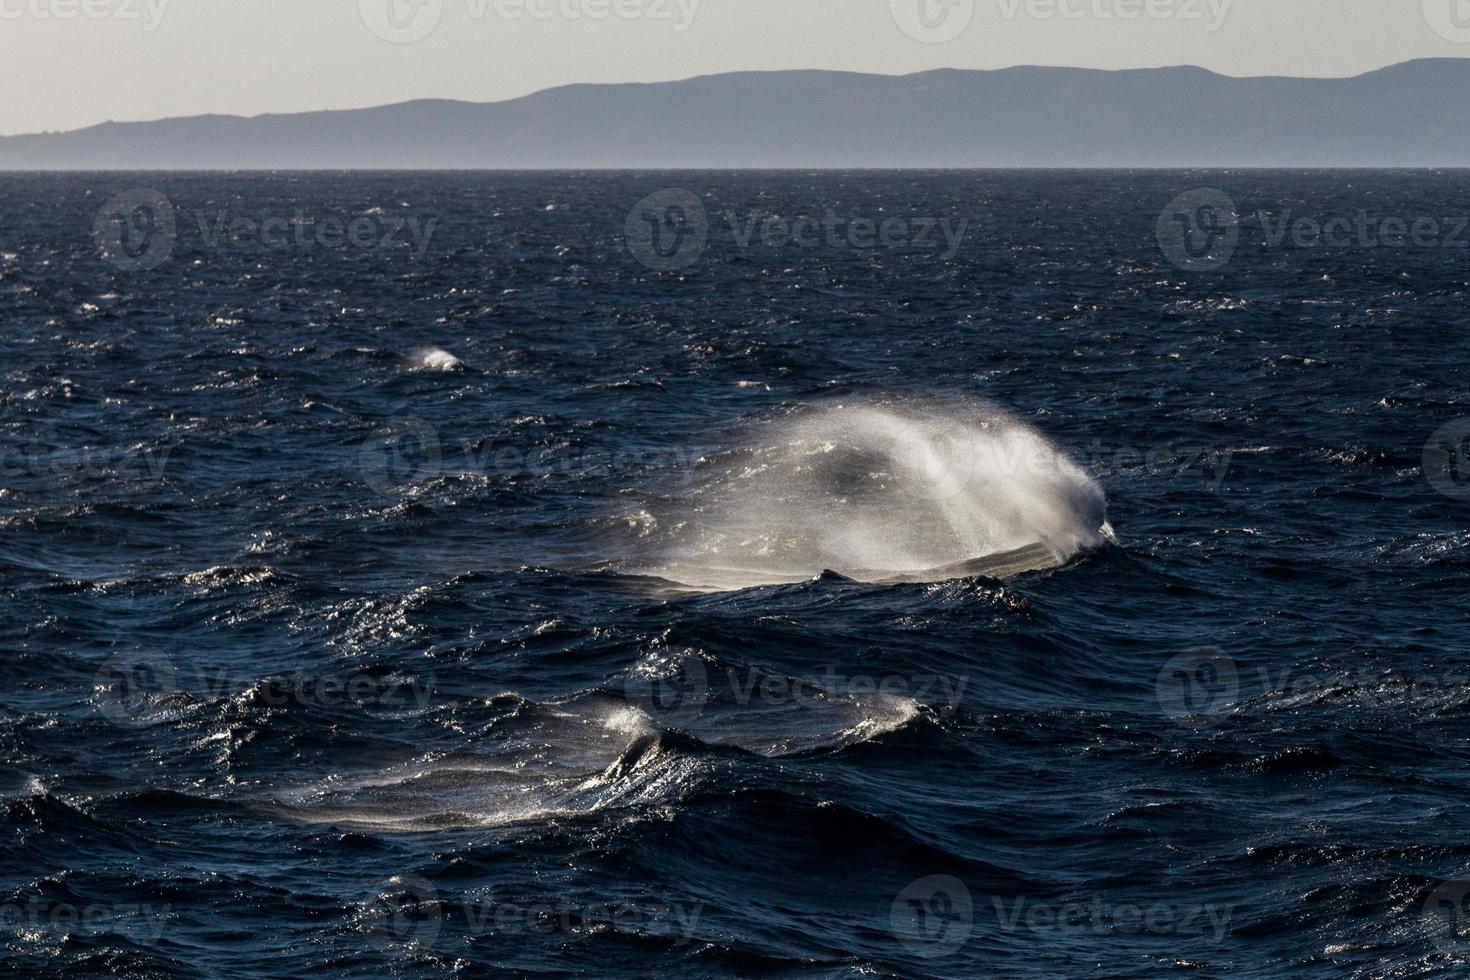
883, 492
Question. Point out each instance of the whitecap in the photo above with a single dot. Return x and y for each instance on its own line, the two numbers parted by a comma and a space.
883, 492
437, 359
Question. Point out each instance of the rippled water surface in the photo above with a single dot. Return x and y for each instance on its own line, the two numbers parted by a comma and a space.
495, 583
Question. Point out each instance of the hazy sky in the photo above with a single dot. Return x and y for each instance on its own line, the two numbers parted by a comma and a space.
70, 63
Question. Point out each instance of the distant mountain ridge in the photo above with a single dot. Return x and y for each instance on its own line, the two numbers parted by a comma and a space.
1415, 114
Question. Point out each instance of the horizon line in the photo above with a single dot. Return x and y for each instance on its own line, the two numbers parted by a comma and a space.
1152, 169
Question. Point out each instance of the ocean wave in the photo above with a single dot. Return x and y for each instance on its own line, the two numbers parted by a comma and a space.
436, 359
883, 492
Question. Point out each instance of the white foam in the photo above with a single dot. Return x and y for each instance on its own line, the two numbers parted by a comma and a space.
556, 763
884, 715
882, 491
437, 359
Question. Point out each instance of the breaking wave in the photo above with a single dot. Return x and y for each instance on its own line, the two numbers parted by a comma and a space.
883, 492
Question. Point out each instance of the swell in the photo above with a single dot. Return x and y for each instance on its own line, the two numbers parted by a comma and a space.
602, 750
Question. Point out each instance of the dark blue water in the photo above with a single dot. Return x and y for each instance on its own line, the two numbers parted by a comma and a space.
372, 552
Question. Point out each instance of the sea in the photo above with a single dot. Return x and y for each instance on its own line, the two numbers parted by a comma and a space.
735, 574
